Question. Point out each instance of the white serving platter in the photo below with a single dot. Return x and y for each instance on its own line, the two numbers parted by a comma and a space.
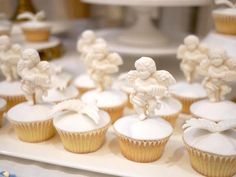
107, 160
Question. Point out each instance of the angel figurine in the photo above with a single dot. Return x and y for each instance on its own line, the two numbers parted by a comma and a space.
218, 70
191, 53
149, 86
9, 57
35, 74
103, 64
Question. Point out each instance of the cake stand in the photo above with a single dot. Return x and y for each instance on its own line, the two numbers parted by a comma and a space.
143, 38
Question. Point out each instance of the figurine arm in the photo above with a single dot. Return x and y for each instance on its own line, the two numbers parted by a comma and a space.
115, 58
180, 52
219, 75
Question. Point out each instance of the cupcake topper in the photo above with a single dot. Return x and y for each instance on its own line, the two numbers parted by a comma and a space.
9, 57
149, 86
35, 74
39, 16
209, 125
218, 69
79, 107
103, 64
191, 53
225, 2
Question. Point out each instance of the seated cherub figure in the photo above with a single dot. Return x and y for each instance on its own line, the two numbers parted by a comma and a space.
149, 86
191, 53
218, 70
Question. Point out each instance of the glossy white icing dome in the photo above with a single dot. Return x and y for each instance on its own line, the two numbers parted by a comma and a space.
75, 122
24, 112
215, 111
186, 90
84, 81
55, 95
221, 143
225, 11
148, 129
107, 98
11, 88
169, 106
36, 25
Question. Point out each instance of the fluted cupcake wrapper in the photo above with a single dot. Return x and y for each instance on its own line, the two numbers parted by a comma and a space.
225, 24
36, 35
13, 100
83, 90
171, 118
211, 165
34, 132
142, 151
84, 142
2, 111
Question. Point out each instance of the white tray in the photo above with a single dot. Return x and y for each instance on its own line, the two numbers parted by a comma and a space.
107, 160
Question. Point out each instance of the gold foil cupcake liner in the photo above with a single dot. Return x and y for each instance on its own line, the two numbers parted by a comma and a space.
83, 142
171, 118
39, 35
211, 165
142, 151
225, 24
2, 111
83, 90
34, 132
13, 100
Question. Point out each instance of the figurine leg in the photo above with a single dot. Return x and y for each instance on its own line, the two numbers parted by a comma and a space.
224, 91
6, 72
14, 73
28, 92
38, 95
140, 106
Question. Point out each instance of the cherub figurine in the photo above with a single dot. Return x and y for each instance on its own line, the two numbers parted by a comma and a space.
35, 74
103, 64
191, 53
9, 57
149, 86
218, 69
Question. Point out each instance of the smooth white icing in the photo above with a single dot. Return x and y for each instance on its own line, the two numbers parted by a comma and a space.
148, 129
10, 88
24, 112
221, 143
184, 89
215, 111
75, 122
84, 81
55, 95
169, 106
3, 103
225, 11
107, 98
36, 25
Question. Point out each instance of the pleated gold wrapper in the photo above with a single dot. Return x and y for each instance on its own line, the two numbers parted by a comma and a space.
13, 100
83, 90
171, 118
2, 111
34, 132
211, 165
142, 151
36, 35
84, 142
225, 24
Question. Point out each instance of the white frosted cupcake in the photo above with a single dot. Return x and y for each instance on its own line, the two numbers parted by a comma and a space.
3, 107
82, 127
5, 25
211, 146
84, 83
111, 101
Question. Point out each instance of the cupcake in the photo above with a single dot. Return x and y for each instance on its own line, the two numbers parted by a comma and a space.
211, 146
84, 83
142, 137
35, 30
5, 25
191, 54
225, 18
82, 127
10, 88
31, 120
3, 106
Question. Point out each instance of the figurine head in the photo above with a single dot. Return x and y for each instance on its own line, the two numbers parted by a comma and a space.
145, 67
217, 56
30, 57
191, 42
88, 36
5, 42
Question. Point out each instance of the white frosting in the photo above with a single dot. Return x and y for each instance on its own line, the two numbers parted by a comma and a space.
76, 122
148, 129
225, 11
84, 81
10, 88
107, 98
36, 25
25, 112
3, 103
184, 89
169, 106
221, 143
215, 111
56, 95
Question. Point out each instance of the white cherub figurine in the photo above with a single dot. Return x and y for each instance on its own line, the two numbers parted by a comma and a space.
149, 86
9, 57
103, 64
218, 69
191, 53
35, 74
226, 2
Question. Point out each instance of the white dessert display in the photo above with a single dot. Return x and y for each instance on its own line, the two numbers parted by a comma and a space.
5, 25
191, 53
82, 127
31, 120
218, 69
142, 136
211, 146
102, 65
